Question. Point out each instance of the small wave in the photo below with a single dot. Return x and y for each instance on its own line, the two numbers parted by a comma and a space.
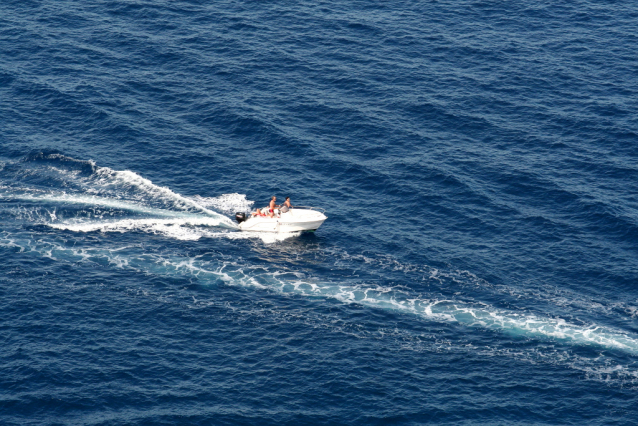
55, 158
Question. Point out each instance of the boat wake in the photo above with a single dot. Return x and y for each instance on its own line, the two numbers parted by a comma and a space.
77, 196
388, 298
89, 198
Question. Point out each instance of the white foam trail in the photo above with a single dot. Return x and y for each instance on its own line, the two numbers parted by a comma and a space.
379, 297
126, 178
175, 228
389, 298
272, 237
169, 227
266, 237
483, 316
461, 279
91, 200
110, 188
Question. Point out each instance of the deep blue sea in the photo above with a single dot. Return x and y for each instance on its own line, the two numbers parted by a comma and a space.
477, 161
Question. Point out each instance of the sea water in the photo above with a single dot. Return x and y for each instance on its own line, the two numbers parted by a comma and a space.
478, 166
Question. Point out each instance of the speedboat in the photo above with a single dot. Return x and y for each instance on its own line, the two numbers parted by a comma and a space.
298, 218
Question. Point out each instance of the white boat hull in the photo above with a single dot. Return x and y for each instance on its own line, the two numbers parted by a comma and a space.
295, 220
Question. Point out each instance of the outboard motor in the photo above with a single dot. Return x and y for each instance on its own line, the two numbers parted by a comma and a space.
240, 217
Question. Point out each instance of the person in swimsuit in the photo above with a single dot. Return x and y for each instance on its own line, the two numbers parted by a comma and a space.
257, 212
271, 208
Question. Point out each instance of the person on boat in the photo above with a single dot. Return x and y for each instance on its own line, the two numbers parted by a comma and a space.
257, 212
272, 206
286, 205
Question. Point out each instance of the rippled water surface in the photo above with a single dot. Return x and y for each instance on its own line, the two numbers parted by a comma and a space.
478, 166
